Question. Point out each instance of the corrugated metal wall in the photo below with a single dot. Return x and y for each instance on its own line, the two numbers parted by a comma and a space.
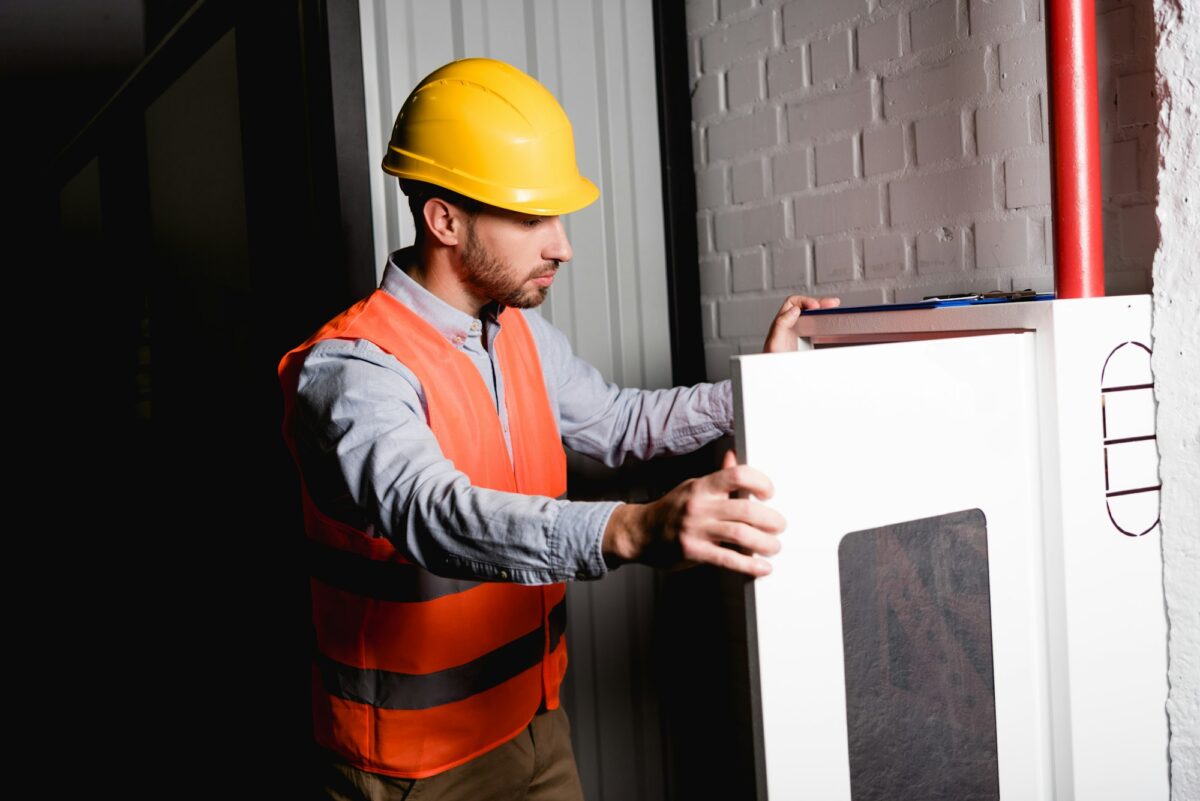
597, 58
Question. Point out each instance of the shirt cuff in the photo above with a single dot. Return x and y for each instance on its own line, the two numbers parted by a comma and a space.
724, 393
578, 538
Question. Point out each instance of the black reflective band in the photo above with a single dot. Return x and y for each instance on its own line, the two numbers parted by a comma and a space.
382, 581
390, 690
558, 622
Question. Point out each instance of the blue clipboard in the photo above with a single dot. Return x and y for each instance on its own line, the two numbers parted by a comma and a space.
937, 303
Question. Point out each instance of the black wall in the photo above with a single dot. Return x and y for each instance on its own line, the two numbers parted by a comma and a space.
198, 228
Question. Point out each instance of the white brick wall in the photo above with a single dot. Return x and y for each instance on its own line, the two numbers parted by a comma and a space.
888, 149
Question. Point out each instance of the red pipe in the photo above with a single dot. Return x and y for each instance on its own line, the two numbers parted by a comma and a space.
1075, 139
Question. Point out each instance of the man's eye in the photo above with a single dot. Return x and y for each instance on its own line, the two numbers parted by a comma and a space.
532, 222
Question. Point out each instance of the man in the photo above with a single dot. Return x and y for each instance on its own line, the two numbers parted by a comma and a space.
428, 422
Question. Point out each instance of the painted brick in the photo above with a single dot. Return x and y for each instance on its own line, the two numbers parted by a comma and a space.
835, 161
741, 135
748, 181
1114, 35
837, 211
1135, 99
938, 139
714, 276
716, 361
938, 252
1004, 126
790, 266
742, 84
861, 297
748, 317
1037, 242
1119, 167
933, 25
731, 7
1127, 282
1043, 121
789, 172
1039, 282
708, 319
706, 97
842, 110
958, 77
786, 72
712, 187
1139, 233
693, 53
1148, 160
830, 57
1002, 243
883, 256
1048, 232
722, 47
749, 270
700, 14
878, 41
1027, 181
704, 233
987, 15
741, 228
883, 150
698, 139
941, 195
804, 18
834, 260
1110, 226
1023, 59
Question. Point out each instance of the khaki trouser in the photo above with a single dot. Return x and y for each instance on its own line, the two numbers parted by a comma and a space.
536, 765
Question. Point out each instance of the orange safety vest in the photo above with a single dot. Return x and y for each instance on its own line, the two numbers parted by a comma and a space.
415, 673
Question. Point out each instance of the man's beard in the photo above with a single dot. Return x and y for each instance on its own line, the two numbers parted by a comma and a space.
490, 278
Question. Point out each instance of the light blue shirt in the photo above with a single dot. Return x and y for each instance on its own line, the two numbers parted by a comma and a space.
369, 457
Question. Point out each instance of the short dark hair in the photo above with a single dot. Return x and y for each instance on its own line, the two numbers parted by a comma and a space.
419, 192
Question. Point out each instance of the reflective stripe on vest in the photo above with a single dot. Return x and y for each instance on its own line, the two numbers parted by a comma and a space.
416, 673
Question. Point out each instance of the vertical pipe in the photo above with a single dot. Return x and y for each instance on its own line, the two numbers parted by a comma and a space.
1075, 139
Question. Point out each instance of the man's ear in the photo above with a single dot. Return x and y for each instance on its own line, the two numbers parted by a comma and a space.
443, 221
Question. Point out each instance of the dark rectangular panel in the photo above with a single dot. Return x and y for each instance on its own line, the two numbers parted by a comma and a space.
917, 636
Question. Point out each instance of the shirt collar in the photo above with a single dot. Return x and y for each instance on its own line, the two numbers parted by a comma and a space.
455, 325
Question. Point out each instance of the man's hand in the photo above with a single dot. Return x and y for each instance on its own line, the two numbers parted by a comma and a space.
781, 338
693, 522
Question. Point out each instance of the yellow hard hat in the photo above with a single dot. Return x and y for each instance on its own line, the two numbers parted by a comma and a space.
486, 130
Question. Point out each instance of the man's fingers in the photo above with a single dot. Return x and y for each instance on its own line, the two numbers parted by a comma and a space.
748, 538
740, 478
729, 559
781, 338
752, 513
804, 302
730, 460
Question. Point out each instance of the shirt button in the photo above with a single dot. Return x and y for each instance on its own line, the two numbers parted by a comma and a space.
475, 326
458, 340
504, 574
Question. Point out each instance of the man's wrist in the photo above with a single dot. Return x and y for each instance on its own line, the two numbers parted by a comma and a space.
622, 536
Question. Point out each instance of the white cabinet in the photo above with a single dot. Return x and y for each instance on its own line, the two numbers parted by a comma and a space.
968, 603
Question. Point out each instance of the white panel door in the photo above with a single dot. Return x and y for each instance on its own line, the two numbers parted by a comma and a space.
901, 643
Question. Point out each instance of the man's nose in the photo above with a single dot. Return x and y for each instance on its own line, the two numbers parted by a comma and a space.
559, 247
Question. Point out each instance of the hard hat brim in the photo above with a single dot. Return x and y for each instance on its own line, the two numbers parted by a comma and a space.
542, 201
